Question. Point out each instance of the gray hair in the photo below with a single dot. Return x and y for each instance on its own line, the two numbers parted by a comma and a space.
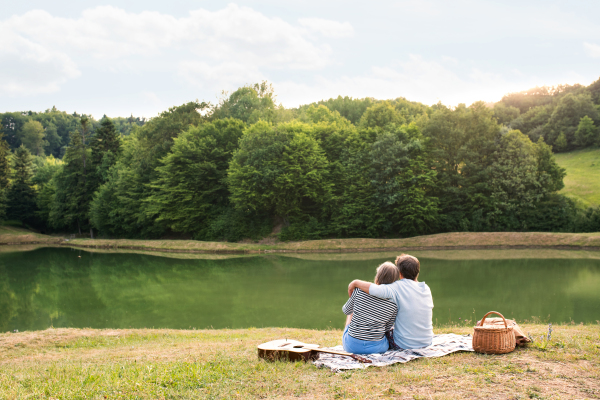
387, 273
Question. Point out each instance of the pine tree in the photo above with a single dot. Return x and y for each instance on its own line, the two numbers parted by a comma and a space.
129, 189
4, 173
4, 164
21, 203
72, 198
106, 147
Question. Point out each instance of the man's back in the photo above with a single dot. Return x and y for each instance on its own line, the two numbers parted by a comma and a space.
413, 328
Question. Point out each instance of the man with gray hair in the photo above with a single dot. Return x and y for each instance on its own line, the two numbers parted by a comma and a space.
413, 328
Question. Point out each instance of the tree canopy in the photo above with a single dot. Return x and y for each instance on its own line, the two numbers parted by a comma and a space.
248, 167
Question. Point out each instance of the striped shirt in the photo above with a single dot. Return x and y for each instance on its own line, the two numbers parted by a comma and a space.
372, 316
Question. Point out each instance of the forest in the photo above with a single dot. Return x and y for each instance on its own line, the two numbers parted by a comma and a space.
247, 168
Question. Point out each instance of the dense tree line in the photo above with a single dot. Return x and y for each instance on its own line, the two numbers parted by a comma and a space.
48, 132
338, 168
566, 117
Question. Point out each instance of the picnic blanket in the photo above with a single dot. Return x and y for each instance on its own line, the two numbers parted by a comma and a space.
441, 346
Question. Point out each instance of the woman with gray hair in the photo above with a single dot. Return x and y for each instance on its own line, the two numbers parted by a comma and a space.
413, 328
369, 317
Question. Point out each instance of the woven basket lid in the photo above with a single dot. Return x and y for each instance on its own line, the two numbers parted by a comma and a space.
493, 328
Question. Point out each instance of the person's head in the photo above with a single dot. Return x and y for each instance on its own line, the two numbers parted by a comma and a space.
408, 266
386, 273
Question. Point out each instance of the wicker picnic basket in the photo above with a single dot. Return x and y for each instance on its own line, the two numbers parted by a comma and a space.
493, 339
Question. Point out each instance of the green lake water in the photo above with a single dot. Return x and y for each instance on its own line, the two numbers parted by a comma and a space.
64, 287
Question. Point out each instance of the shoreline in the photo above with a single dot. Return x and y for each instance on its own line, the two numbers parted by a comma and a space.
344, 250
441, 241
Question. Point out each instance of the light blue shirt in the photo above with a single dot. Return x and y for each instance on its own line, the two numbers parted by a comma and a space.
413, 328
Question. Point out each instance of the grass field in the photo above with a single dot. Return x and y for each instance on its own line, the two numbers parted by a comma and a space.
222, 364
582, 182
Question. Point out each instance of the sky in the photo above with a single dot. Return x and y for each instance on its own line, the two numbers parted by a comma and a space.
142, 57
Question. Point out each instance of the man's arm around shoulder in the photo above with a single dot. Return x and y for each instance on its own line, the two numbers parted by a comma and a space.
358, 284
381, 291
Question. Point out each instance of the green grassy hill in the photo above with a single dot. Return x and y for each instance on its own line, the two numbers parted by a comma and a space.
582, 182
16, 235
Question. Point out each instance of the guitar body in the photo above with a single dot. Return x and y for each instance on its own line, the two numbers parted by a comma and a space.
293, 350
287, 349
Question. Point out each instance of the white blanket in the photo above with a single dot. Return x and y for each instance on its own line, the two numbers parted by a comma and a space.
441, 346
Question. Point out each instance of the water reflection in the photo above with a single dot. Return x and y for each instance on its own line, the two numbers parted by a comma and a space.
62, 287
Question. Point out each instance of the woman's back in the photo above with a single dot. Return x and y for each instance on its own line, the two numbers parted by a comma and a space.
371, 316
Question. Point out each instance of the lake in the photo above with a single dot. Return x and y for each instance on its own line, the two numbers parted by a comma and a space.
64, 287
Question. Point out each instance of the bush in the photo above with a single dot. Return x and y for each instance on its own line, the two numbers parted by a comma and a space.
310, 229
234, 225
588, 220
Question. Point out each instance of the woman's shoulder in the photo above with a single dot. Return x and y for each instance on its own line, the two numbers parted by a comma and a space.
367, 297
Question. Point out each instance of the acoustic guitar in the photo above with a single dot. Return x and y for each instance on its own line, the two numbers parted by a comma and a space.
293, 350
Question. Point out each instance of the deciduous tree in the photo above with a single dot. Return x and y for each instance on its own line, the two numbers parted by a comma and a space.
281, 169
248, 103
32, 136
403, 181
566, 116
587, 133
191, 188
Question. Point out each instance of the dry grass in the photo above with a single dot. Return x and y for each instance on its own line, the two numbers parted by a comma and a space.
10, 235
518, 254
86, 363
456, 240
442, 241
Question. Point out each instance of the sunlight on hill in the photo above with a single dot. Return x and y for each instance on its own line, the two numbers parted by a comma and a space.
582, 182
16, 235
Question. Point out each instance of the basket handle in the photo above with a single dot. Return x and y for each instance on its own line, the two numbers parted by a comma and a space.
494, 312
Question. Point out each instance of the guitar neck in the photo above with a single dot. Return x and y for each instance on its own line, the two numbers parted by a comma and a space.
343, 353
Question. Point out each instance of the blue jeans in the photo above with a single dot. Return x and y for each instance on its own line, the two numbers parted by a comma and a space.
357, 346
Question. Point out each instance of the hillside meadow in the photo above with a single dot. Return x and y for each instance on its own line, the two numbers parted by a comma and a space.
582, 182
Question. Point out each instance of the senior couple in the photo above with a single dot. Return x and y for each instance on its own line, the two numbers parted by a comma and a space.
393, 313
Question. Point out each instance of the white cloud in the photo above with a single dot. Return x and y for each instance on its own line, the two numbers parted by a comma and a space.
592, 49
328, 28
415, 79
102, 32
450, 60
150, 60
151, 98
246, 36
234, 32
203, 75
223, 47
28, 68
